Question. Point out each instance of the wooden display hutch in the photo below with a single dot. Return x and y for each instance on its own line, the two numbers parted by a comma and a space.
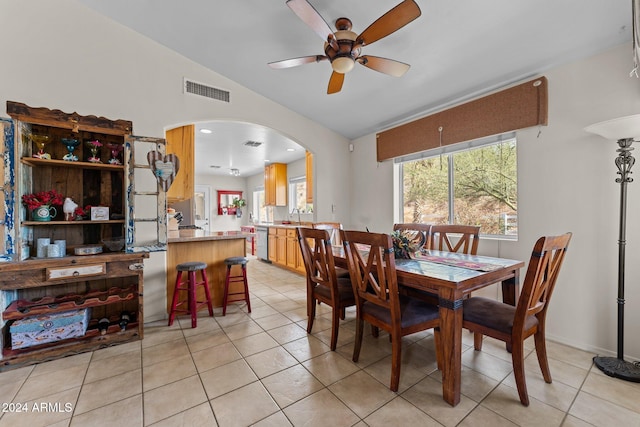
110, 283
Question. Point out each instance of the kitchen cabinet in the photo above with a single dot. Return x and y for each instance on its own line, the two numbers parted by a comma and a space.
281, 246
284, 249
272, 243
181, 142
275, 184
309, 176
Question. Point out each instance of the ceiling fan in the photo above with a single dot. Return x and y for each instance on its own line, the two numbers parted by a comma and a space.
343, 47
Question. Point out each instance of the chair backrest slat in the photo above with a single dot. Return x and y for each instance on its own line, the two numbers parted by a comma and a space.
318, 257
373, 270
441, 238
542, 273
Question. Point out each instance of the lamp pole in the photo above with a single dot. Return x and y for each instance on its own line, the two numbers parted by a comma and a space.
618, 367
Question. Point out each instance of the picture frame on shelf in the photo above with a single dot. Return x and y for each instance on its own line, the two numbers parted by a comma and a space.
99, 213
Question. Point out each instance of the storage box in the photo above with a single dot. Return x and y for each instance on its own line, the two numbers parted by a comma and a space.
47, 328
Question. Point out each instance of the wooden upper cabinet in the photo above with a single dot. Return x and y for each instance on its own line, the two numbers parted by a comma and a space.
275, 184
181, 142
309, 174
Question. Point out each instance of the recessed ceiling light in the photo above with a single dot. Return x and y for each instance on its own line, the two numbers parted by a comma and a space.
205, 131
291, 149
266, 160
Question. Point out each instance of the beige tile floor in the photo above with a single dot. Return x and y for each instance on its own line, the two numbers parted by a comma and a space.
263, 369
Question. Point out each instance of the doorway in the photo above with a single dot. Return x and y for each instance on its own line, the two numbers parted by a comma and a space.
202, 199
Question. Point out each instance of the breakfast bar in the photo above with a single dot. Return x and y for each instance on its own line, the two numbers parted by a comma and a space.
211, 248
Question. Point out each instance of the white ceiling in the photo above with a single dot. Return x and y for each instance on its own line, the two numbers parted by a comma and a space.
457, 50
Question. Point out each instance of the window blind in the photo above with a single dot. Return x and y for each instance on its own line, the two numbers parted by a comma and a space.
517, 107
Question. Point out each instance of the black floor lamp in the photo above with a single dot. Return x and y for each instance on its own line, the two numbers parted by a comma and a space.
625, 130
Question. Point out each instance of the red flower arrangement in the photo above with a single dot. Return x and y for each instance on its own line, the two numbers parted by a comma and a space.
83, 213
35, 200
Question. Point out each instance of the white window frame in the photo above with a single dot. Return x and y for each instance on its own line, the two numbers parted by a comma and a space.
292, 193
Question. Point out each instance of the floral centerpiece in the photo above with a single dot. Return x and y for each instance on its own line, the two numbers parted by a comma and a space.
39, 204
407, 242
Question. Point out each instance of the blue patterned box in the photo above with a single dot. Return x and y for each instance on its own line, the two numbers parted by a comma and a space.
47, 328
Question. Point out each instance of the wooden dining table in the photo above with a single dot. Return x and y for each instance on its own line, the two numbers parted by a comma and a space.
452, 276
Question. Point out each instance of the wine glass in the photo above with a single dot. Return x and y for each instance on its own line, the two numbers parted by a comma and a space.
41, 141
71, 145
94, 146
115, 150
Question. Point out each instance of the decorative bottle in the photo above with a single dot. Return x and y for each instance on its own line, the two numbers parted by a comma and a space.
125, 318
103, 325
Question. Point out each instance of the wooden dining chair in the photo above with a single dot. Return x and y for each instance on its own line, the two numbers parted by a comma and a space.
484, 316
334, 235
467, 242
323, 284
334, 231
373, 275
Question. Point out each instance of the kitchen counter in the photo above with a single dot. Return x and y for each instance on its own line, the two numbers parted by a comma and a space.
181, 236
211, 248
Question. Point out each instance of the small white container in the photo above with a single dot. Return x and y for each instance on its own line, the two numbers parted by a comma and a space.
41, 248
53, 251
62, 244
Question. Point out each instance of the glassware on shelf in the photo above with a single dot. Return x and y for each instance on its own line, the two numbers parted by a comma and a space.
71, 145
115, 150
94, 146
41, 141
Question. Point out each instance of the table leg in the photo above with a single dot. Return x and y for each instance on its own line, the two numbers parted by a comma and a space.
451, 348
511, 289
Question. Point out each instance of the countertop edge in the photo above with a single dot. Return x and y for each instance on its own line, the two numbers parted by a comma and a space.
185, 236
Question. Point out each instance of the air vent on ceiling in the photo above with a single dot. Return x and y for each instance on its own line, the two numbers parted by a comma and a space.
207, 91
253, 143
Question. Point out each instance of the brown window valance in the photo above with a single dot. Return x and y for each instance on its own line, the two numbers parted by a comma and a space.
518, 107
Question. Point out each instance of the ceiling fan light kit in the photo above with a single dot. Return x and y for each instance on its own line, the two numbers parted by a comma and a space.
343, 47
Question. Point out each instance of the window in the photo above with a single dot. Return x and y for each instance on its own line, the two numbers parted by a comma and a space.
298, 194
260, 212
472, 183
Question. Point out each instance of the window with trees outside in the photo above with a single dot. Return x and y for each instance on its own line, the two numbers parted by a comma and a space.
298, 195
472, 183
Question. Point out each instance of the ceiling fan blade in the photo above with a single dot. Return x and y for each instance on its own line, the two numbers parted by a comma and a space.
390, 22
335, 83
384, 65
294, 62
313, 19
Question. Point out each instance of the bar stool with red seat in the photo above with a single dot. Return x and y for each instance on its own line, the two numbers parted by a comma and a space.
190, 286
237, 296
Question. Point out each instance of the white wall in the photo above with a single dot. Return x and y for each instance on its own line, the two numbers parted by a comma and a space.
566, 182
62, 55
228, 183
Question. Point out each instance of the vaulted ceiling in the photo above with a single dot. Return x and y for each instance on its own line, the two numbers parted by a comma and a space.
456, 49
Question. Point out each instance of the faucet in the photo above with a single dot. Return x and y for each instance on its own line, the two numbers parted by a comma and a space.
298, 211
